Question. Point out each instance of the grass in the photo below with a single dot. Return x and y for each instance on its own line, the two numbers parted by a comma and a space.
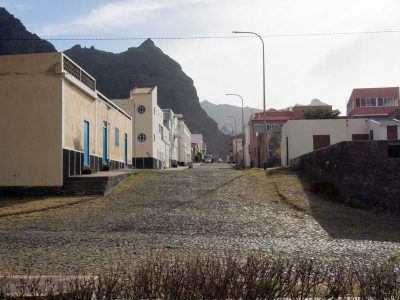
339, 220
131, 181
19, 206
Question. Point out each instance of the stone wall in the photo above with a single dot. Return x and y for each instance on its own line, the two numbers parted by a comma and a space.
361, 171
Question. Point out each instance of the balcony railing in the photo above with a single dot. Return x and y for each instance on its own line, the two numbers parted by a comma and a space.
78, 73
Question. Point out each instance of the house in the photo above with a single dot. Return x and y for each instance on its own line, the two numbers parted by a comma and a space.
171, 123
274, 121
150, 138
246, 153
373, 102
303, 136
54, 123
237, 149
184, 142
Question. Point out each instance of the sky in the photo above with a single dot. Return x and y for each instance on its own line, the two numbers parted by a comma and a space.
298, 69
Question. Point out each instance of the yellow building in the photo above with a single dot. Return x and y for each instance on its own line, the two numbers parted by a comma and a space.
54, 123
150, 137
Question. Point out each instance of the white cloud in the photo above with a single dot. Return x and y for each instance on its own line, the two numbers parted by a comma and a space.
298, 69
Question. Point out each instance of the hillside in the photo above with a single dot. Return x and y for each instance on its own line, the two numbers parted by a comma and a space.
219, 111
19, 40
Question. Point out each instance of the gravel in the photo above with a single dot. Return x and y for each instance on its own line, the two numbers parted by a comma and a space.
211, 209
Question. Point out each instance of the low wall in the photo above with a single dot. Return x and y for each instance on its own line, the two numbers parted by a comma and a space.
361, 171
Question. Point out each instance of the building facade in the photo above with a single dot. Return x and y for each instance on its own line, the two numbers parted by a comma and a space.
373, 102
300, 137
184, 142
171, 123
150, 138
198, 147
55, 124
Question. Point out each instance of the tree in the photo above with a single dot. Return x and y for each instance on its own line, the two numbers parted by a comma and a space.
321, 113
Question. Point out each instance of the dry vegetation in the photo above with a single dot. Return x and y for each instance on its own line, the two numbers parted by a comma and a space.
254, 277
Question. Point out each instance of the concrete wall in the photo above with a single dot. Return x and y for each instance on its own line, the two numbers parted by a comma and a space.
30, 120
361, 170
300, 134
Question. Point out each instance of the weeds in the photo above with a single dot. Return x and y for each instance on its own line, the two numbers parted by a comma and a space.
254, 277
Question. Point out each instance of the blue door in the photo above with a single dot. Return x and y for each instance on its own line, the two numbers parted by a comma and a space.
105, 143
86, 155
126, 149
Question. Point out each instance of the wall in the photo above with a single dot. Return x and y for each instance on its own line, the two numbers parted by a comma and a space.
360, 170
184, 143
78, 107
30, 120
300, 134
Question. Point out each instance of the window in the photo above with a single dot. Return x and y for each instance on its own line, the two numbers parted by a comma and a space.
360, 137
394, 151
257, 128
380, 101
358, 102
363, 102
276, 127
320, 141
117, 136
141, 109
141, 137
268, 127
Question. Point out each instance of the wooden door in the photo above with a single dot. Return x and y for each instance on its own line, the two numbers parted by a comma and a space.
320, 141
392, 133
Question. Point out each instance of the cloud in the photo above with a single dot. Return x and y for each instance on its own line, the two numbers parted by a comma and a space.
115, 15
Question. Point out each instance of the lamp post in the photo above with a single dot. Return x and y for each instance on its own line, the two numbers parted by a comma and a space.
264, 109
241, 98
233, 118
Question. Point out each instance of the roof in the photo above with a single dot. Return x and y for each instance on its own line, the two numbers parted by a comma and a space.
374, 92
373, 110
386, 121
142, 90
274, 115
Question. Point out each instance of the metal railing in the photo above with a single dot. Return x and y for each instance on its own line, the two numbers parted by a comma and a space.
78, 73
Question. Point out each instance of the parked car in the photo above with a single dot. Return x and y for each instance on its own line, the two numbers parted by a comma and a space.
208, 159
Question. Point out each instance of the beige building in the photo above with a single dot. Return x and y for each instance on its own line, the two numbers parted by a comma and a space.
303, 136
184, 142
54, 123
150, 138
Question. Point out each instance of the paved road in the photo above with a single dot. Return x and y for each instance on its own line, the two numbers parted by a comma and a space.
210, 209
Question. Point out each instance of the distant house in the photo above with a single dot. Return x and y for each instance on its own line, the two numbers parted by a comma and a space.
274, 122
171, 123
373, 102
198, 146
150, 138
303, 136
54, 123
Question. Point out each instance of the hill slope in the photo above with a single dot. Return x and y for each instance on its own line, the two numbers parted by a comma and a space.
219, 111
19, 40
117, 74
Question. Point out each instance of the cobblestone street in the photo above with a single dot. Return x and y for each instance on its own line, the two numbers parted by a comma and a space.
209, 209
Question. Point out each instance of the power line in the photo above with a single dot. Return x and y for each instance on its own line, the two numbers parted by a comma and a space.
210, 37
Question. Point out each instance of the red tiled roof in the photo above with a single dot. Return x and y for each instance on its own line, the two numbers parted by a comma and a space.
274, 115
375, 110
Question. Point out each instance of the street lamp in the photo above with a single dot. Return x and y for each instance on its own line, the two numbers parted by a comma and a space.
237, 95
264, 110
233, 118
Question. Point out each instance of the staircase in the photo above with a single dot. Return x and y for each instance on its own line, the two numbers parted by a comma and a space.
100, 183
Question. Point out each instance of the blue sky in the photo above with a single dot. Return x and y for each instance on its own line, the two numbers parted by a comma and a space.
298, 68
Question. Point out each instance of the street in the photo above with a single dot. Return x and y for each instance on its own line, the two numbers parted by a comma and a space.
211, 209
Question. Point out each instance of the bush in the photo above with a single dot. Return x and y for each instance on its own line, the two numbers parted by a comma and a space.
252, 277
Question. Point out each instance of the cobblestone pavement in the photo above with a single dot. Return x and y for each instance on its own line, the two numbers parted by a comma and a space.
209, 209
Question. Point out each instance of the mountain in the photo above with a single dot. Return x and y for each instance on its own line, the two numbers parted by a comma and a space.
19, 40
117, 73
219, 111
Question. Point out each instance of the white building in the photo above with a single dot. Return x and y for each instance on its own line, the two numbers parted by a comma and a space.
184, 142
198, 146
303, 136
171, 123
150, 138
